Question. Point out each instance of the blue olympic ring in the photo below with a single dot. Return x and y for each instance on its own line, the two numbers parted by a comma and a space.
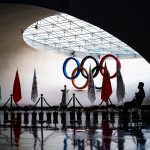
65, 64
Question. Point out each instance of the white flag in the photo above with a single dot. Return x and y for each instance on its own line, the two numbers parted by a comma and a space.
120, 91
0, 93
34, 92
91, 87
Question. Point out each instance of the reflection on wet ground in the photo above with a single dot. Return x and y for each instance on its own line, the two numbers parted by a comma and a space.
105, 134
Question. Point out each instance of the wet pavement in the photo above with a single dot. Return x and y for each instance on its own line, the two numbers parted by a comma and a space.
105, 135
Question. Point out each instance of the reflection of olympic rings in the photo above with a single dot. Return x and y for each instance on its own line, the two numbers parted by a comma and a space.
80, 68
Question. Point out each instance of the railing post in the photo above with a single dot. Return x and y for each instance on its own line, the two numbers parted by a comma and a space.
42, 121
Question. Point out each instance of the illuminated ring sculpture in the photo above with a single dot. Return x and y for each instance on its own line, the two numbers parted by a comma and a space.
95, 73
73, 79
101, 64
78, 67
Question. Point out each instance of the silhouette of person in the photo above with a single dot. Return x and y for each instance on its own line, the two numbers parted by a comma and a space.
138, 98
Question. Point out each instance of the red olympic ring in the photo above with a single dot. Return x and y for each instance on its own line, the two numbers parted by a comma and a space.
73, 80
102, 61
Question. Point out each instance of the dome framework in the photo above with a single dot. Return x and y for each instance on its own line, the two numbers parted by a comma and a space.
67, 34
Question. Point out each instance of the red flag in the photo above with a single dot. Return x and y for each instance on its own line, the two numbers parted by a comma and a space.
106, 86
17, 89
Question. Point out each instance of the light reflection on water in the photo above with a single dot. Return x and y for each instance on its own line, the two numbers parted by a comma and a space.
106, 136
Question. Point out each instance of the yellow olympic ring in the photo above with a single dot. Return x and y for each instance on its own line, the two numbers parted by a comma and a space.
73, 80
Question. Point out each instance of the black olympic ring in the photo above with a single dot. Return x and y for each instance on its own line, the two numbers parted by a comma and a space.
95, 73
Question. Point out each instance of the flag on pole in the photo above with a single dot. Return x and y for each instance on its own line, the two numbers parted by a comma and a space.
106, 85
34, 92
91, 87
120, 90
0, 93
17, 89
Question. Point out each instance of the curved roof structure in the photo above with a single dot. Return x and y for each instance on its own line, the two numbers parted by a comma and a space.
68, 34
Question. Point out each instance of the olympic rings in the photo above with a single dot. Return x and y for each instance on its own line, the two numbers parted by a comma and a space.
64, 68
72, 79
95, 73
80, 68
102, 60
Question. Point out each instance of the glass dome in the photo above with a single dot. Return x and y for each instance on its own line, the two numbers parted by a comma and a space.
67, 34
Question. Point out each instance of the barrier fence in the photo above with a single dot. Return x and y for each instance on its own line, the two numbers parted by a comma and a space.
64, 116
